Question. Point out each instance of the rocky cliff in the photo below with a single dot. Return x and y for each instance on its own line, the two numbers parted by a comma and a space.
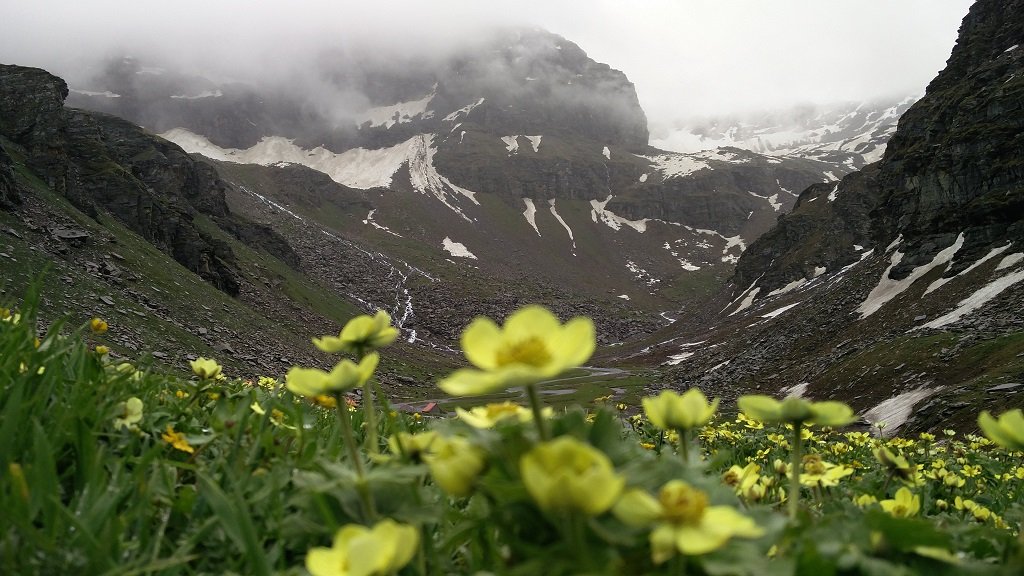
955, 165
899, 288
100, 162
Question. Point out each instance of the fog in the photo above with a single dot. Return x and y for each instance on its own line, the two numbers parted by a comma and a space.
688, 59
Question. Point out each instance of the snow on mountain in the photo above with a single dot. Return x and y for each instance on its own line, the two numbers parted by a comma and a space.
356, 168
851, 135
400, 113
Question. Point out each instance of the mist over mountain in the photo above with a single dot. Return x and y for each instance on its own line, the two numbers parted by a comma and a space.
440, 178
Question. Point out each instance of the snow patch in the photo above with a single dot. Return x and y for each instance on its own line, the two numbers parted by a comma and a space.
511, 144
105, 93
614, 221
746, 303
568, 230
676, 165
894, 243
464, 111
607, 153
356, 168
833, 194
796, 390
624, 296
1012, 48
717, 366
789, 287
773, 200
976, 300
643, 177
641, 274
204, 94
778, 311
830, 177
1010, 260
677, 358
457, 249
400, 113
887, 288
370, 221
819, 270
943, 281
895, 411
531, 214
535, 142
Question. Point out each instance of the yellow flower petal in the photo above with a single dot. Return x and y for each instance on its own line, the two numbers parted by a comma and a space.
575, 342
637, 508
481, 342
761, 408
326, 562
831, 414
529, 321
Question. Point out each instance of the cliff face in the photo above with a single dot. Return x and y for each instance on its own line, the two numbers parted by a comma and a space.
99, 162
955, 164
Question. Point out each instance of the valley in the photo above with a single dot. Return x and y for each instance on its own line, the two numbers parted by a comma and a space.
791, 251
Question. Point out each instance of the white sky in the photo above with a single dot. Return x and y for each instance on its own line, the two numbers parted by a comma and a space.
687, 57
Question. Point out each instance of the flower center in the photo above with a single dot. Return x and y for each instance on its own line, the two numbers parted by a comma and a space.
814, 465
531, 351
498, 411
682, 503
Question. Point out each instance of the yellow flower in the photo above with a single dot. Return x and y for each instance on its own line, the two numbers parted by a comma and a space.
205, 368
361, 551
566, 474
1007, 431
895, 463
736, 476
412, 446
129, 413
971, 471
325, 401
679, 411
102, 350
313, 382
98, 325
817, 472
953, 481
904, 505
455, 464
531, 346
796, 410
177, 440
685, 522
361, 334
489, 415
865, 500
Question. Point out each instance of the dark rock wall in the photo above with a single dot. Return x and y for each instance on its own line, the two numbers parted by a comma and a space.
99, 161
957, 160
955, 164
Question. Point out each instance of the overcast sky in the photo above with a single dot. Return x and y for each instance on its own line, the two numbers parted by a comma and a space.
687, 57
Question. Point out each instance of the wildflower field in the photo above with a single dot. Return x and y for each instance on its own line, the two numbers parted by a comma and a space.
112, 469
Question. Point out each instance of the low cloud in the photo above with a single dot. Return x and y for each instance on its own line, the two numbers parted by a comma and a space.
687, 59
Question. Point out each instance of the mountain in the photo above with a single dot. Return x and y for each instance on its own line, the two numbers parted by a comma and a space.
124, 225
899, 288
514, 161
849, 135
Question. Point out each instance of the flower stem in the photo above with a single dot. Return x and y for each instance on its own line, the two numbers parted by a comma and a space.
684, 448
538, 416
794, 477
370, 418
353, 453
